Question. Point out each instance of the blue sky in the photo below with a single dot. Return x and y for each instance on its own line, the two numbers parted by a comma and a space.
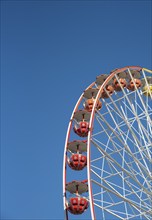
50, 52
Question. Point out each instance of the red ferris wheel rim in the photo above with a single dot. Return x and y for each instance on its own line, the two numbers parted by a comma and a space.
91, 122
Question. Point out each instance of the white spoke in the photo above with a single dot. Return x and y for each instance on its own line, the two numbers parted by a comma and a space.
125, 155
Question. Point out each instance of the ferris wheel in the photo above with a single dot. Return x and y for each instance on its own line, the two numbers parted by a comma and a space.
107, 164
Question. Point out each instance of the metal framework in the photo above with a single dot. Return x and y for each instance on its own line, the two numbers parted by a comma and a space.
118, 147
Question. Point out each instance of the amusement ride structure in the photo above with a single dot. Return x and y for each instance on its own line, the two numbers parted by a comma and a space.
108, 149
